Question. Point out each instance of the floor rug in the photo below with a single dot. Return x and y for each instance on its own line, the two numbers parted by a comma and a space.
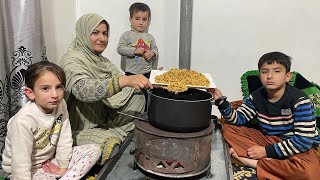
241, 172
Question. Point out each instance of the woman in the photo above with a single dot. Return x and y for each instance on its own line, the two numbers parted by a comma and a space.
96, 89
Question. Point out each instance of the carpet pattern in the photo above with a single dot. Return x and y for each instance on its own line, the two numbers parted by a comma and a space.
241, 172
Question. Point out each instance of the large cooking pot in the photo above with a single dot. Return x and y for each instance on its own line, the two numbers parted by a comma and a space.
188, 111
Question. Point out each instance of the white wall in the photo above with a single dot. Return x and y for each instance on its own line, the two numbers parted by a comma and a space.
59, 19
228, 36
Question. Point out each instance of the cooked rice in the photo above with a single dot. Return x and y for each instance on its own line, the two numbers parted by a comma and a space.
178, 79
176, 87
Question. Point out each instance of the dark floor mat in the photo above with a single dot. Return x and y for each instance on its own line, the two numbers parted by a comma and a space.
241, 172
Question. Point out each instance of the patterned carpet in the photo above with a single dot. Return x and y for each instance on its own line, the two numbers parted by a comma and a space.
241, 172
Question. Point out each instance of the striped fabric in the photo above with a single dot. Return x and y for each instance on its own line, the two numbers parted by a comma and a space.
291, 118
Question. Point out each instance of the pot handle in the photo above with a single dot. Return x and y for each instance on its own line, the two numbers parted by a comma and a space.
214, 118
212, 102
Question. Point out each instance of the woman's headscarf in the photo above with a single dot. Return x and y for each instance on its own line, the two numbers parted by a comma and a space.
81, 62
84, 27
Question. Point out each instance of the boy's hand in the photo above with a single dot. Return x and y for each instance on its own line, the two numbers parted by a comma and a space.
148, 55
215, 92
49, 167
139, 51
257, 152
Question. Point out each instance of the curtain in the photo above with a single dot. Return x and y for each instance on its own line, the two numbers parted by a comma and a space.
21, 44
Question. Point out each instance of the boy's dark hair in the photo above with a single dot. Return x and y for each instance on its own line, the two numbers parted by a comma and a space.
35, 70
137, 7
276, 57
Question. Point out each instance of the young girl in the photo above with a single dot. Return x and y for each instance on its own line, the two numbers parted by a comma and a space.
39, 141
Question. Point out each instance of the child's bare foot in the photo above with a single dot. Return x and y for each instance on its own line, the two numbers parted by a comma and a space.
246, 161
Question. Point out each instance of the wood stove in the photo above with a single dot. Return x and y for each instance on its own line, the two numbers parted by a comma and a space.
172, 154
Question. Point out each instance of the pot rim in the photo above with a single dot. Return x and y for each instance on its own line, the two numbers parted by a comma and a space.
180, 100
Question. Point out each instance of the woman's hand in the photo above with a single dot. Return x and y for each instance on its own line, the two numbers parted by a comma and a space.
49, 167
215, 92
138, 81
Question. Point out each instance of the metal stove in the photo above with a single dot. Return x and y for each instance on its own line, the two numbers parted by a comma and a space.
171, 154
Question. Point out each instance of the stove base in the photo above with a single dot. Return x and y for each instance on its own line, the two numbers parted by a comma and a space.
187, 175
169, 154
